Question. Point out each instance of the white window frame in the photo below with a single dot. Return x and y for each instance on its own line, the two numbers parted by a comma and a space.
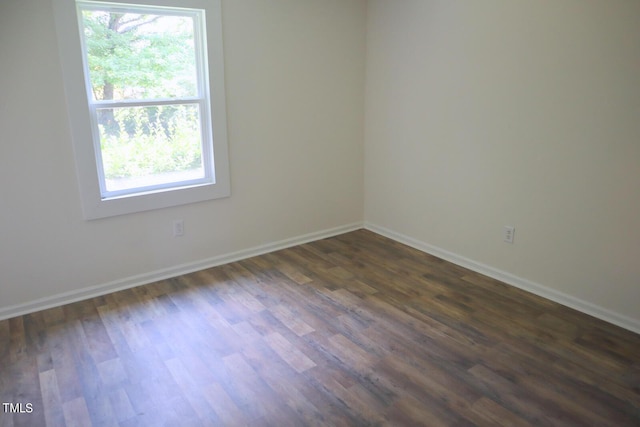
96, 201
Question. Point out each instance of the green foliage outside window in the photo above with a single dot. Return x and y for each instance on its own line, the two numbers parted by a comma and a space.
152, 147
135, 56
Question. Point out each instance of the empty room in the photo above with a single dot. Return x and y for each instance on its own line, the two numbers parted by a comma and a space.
319, 212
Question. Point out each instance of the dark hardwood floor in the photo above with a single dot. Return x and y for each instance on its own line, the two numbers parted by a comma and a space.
349, 331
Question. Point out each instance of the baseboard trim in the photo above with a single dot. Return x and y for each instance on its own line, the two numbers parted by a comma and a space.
166, 273
510, 279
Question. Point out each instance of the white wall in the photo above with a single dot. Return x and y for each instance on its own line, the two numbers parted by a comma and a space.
295, 88
485, 113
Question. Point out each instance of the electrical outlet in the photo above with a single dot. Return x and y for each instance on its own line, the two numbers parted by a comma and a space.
178, 228
507, 233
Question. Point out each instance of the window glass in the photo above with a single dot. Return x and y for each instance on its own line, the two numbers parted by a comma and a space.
142, 71
150, 146
139, 56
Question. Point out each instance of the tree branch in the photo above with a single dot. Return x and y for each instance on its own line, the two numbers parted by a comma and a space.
125, 28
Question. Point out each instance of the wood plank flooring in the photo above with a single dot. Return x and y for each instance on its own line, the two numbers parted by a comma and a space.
354, 330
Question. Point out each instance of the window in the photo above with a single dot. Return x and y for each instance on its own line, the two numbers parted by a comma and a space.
138, 79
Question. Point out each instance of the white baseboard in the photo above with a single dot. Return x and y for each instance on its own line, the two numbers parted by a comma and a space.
510, 279
166, 273
154, 276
